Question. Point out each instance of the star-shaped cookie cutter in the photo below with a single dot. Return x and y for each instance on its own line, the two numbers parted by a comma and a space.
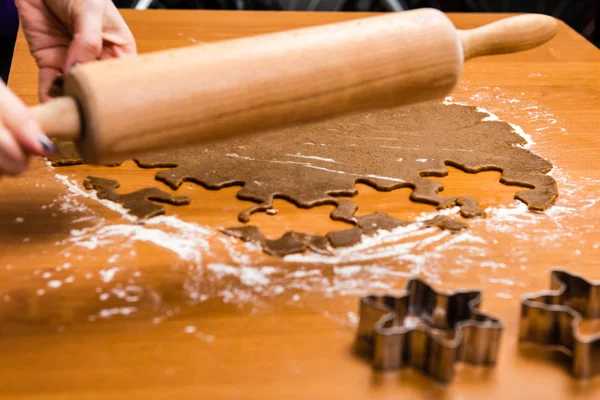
553, 318
427, 330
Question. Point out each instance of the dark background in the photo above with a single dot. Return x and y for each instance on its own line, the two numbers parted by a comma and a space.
582, 15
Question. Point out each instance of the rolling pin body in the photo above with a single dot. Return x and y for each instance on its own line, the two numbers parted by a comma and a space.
177, 97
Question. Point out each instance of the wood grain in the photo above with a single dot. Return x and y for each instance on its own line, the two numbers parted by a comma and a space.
508, 36
246, 340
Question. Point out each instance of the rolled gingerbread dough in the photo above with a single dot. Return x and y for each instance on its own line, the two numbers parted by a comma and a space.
321, 163
140, 203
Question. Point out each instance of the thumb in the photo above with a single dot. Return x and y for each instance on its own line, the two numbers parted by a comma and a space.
86, 45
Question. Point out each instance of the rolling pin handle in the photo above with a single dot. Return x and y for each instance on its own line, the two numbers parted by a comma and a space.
508, 35
59, 118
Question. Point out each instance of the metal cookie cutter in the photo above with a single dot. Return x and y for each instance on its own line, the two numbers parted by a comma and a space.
553, 318
427, 330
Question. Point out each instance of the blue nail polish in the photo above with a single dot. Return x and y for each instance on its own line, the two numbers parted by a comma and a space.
47, 144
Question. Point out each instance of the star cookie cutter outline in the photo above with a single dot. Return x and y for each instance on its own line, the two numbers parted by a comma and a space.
428, 330
552, 317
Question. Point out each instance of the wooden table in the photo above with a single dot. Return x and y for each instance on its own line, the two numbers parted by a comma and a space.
93, 306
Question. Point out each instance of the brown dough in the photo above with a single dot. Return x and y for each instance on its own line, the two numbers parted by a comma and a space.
294, 242
68, 155
370, 224
444, 222
387, 150
288, 243
347, 237
139, 203
315, 164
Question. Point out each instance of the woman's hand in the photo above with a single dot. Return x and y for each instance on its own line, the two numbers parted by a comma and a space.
20, 135
62, 33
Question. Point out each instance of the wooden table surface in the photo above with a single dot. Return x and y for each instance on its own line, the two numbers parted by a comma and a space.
93, 306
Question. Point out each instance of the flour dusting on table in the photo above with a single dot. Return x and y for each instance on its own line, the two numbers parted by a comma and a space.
381, 262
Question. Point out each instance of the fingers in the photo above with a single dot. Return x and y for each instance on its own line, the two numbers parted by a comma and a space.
13, 159
118, 39
20, 134
62, 33
87, 18
120, 28
115, 47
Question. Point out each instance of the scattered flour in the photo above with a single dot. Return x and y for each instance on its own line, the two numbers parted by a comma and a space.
380, 262
111, 312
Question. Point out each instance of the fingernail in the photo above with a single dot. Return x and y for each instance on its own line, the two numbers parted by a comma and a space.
73, 66
47, 144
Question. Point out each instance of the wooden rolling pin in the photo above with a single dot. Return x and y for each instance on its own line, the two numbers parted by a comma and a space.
119, 108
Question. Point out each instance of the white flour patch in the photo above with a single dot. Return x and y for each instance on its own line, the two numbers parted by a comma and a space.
111, 312
496, 100
186, 245
221, 270
298, 155
187, 240
508, 282
317, 167
76, 191
190, 329
255, 276
346, 272
108, 274
493, 117
54, 284
304, 274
